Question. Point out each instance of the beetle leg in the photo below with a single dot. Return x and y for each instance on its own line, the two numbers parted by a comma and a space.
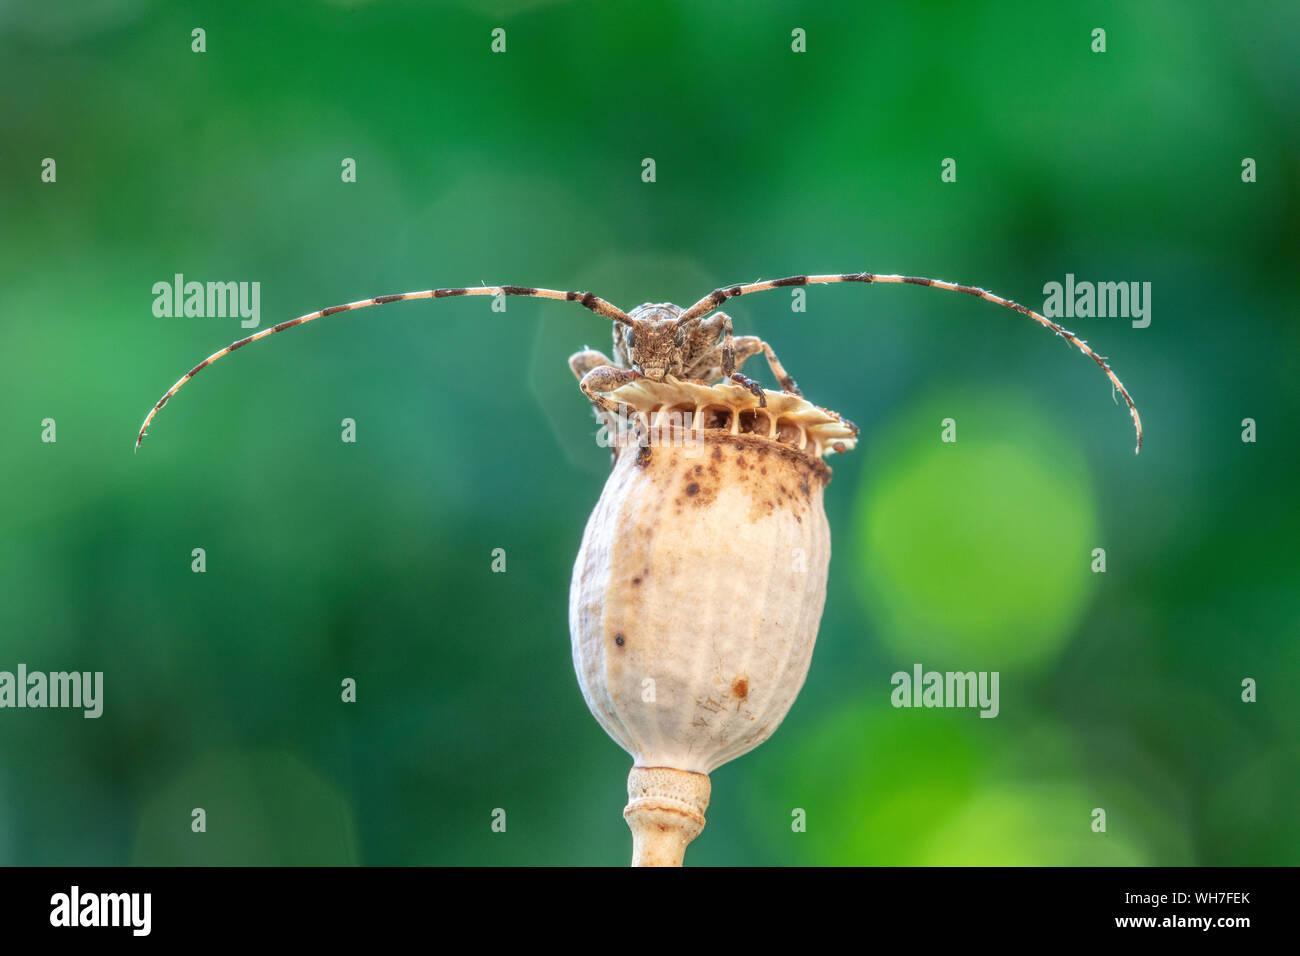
778, 371
719, 325
746, 347
605, 378
753, 386
583, 362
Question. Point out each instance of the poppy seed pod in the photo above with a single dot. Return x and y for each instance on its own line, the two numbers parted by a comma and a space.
699, 587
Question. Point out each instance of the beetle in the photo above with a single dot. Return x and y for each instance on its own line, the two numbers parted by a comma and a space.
662, 341
657, 343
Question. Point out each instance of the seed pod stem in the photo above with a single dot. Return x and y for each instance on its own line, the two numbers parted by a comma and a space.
665, 811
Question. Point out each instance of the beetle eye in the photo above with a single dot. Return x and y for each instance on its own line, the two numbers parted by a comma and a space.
680, 338
631, 339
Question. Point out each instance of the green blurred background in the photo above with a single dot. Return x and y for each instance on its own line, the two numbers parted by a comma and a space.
372, 560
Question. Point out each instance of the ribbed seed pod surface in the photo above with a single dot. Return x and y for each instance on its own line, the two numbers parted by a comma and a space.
699, 587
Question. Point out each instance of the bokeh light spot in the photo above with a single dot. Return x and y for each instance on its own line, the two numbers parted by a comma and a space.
1029, 825
975, 552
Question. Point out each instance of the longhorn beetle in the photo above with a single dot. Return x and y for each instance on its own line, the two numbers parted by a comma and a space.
663, 341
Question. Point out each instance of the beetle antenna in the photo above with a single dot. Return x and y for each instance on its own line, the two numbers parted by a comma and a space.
592, 302
718, 296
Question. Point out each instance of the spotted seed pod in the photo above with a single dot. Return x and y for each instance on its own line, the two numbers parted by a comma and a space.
699, 587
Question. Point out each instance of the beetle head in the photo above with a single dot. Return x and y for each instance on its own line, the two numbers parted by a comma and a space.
654, 340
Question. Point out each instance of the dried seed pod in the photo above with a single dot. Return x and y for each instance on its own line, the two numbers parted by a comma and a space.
699, 587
